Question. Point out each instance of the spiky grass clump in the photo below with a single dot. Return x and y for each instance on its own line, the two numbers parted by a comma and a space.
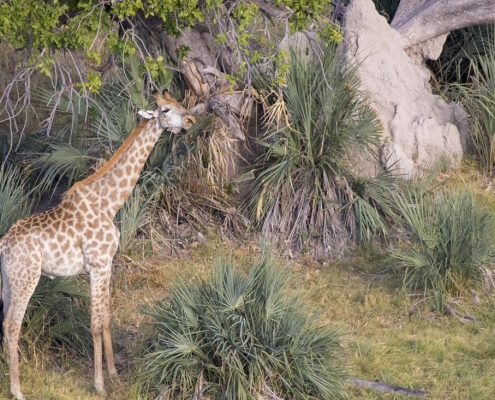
13, 197
58, 317
302, 194
236, 337
451, 239
131, 217
186, 175
480, 101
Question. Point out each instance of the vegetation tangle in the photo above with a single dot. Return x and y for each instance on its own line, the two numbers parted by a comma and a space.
387, 234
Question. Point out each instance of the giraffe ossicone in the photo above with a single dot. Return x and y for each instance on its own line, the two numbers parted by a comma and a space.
78, 236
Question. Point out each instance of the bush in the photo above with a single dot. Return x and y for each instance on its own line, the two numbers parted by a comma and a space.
480, 102
451, 239
58, 317
14, 193
303, 194
239, 336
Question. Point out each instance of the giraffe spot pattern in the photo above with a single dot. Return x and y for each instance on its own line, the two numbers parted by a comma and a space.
78, 236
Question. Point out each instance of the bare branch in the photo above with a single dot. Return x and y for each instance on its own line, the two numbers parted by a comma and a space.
418, 21
384, 387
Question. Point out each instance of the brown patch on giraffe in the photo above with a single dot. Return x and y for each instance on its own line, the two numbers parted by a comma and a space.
83, 207
109, 237
99, 235
92, 244
114, 195
79, 225
118, 172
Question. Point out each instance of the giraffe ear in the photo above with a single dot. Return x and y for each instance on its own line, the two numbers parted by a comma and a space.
166, 95
146, 114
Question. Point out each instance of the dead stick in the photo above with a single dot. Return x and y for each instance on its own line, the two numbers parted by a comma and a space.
383, 387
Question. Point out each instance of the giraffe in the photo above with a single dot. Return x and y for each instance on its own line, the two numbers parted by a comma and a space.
78, 236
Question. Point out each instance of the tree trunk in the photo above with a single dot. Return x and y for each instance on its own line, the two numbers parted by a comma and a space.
203, 71
418, 21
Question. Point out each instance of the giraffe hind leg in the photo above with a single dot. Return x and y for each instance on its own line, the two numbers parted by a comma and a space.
4, 304
16, 295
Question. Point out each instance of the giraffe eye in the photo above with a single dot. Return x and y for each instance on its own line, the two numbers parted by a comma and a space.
165, 110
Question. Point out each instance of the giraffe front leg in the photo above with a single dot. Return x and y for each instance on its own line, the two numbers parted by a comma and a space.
107, 339
100, 323
98, 293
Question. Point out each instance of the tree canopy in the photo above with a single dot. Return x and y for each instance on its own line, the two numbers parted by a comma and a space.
103, 28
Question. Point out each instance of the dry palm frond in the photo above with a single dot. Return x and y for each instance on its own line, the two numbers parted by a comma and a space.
302, 195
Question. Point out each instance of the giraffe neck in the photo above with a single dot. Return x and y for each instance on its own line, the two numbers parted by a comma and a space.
109, 187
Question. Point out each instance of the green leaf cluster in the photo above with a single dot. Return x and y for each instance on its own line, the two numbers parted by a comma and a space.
303, 11
174, 14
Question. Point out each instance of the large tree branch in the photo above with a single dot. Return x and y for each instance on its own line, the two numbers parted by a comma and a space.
418, 21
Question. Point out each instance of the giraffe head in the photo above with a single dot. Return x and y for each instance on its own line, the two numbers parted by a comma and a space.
170, 114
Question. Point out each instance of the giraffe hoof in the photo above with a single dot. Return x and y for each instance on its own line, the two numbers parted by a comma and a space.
114, 377
18, 395
101, 390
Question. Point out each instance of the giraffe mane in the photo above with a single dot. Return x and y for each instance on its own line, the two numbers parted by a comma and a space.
113, 160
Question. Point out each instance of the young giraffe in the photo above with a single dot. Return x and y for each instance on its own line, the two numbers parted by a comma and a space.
78, 236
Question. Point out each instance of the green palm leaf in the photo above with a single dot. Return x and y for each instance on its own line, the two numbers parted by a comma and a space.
239, 335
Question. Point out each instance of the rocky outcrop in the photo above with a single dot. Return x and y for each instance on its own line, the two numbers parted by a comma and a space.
418, 127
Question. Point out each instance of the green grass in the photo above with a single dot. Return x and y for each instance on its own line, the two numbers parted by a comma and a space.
425, 350
358, 294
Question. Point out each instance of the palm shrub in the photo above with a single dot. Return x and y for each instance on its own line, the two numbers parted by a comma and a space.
371, 205
233, 336
304, 185
58, 317
480, 102
14, 200
458, 62
450, 239
60, 162
131, 217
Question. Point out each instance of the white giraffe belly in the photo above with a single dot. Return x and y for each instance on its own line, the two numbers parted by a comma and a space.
62, 260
